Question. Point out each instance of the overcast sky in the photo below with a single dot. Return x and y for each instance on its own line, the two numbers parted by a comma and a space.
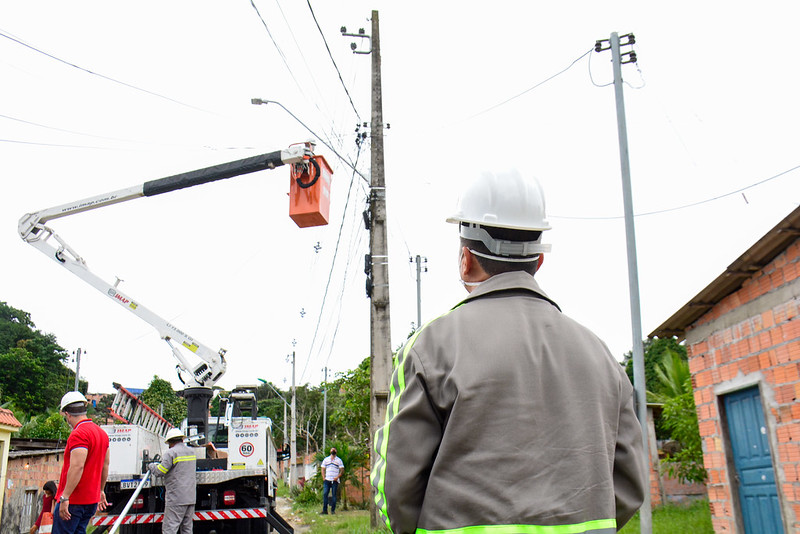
99, 96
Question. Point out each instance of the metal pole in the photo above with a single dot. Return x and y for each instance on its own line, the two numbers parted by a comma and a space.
324, 410
645, 512
121, 517
77, 368
285, 432
293, 452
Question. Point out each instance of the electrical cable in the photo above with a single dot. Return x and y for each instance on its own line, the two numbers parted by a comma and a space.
330, 274
529, 89
300, 50
691, 205
343, 160
51, 56
54, 128
314, 16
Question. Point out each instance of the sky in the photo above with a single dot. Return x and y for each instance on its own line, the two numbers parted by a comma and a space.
101, 96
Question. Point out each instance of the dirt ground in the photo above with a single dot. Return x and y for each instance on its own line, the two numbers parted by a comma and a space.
284, 508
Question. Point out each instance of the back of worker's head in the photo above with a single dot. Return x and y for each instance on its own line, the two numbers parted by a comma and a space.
73, 403
501, 217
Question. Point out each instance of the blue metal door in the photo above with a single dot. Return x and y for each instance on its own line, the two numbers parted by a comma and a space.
755, 475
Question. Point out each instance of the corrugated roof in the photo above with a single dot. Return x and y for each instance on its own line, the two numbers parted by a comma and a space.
757, 257
7, 418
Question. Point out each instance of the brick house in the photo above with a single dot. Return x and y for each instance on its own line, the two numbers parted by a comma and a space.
31, 463
8, 424
742, 334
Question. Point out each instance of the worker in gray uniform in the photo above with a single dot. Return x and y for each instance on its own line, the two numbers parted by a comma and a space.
178, 466
505, 415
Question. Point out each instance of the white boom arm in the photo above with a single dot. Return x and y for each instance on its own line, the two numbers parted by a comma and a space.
33, 231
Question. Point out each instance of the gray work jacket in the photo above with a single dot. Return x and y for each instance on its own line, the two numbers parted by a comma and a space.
179, 468
505, 413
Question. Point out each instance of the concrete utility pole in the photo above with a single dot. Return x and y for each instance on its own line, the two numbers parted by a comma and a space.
377, 264
293, 445
325, 410
77, 368
420, 261
645, 512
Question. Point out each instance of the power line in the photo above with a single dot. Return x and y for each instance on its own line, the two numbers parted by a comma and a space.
691, 205
529, 89
51, 56
343, 160
54, 128
314, 16
330, 274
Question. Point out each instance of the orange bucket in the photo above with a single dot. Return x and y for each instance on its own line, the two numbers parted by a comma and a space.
310, 192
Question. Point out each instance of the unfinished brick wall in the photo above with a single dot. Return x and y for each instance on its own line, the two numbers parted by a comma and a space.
768, 340
27, 473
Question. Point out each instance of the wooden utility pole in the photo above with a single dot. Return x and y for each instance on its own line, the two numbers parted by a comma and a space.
380, 330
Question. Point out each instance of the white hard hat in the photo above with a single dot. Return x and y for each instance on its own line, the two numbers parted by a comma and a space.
173, 433
503, 200
71, 398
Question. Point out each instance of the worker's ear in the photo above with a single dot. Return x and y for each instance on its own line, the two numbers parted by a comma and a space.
466, 262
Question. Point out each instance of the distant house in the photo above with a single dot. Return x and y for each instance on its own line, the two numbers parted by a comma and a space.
742, 333
8, 424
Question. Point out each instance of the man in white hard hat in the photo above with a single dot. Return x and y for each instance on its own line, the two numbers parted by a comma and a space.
83, 476
178, 467
504, 414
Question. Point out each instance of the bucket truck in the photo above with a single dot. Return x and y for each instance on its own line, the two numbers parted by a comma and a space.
236, 481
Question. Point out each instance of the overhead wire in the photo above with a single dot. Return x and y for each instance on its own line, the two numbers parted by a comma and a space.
683, 206
330, 274
529, 89
54, 128
314, 16
3, 33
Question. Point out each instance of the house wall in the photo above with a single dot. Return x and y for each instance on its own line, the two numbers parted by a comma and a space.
752, 337
27, 472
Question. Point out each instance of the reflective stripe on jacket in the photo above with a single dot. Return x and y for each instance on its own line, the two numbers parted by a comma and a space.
179, 468
505, 416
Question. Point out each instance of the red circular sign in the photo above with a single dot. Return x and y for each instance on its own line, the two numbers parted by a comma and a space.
246, 449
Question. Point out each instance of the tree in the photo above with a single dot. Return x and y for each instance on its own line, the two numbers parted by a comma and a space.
679, 418
349, 411
160, 395
654, 351
45, 426
354, 457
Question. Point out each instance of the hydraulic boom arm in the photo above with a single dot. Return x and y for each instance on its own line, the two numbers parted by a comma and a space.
34, 231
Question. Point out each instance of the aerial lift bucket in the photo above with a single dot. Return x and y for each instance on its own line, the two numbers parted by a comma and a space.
310, 192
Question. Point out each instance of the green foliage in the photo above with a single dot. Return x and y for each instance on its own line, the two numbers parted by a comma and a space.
159, 393
45, 426
353, 457
676, 519
310, 493
349, 408
654, 352
680, 419
34, 375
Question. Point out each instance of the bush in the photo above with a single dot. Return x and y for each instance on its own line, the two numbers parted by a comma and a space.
310, 493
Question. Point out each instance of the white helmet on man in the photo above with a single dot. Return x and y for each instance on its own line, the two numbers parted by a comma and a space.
503, 200
173, 433
71, 398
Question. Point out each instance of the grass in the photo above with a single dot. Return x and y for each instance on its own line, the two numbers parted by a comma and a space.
676, 519
668, 519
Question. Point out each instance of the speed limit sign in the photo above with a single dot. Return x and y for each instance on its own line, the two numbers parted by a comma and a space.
246, 449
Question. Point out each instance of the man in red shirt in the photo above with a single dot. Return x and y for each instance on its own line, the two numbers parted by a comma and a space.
83, 476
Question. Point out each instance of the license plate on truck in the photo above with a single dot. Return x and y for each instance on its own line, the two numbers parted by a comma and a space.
132, 483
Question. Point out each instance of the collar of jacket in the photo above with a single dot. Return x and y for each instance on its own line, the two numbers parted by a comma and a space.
517, 280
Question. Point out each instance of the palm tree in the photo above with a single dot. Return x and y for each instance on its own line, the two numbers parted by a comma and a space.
353, 458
